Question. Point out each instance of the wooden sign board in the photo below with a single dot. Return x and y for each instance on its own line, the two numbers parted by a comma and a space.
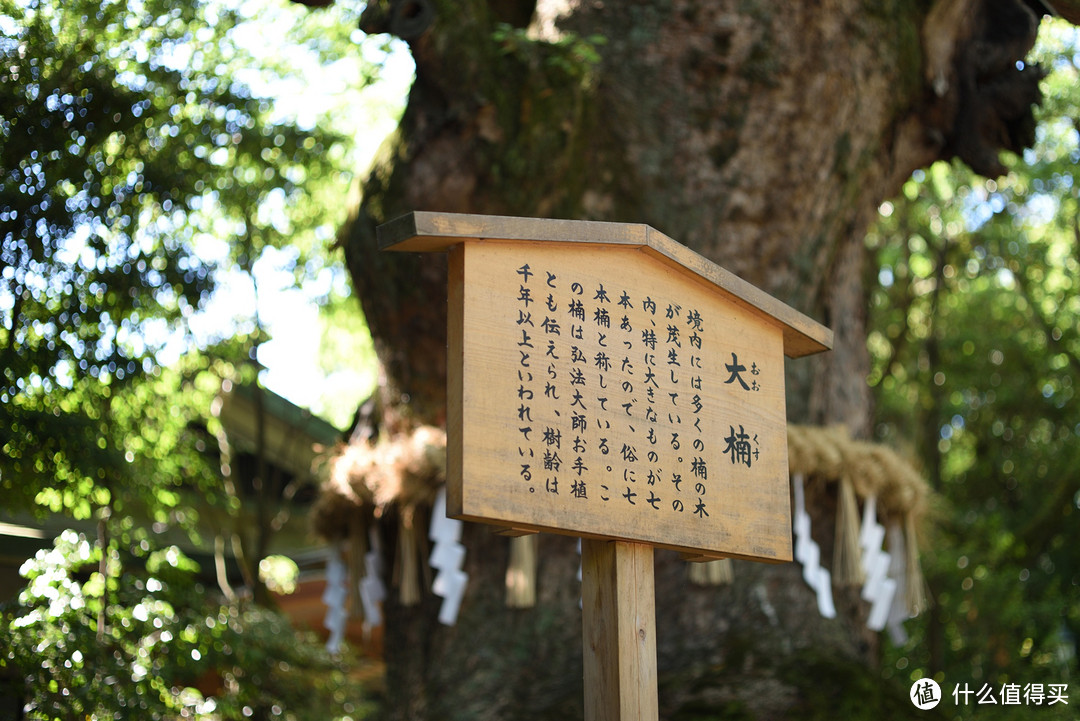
607, 382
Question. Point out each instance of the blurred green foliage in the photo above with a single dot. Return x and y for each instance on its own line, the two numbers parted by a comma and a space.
976, 367
134, 164
143, 640
144, 159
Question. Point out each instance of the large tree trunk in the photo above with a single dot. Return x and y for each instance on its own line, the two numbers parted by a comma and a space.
764, 136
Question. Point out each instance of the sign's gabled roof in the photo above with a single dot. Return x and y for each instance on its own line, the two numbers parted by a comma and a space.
425, 232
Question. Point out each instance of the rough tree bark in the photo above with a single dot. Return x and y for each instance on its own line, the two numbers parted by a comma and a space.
762, 135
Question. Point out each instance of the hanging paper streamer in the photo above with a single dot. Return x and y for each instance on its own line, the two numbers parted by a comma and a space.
334, 598
808, 554
879, 589
372, 589
447, 556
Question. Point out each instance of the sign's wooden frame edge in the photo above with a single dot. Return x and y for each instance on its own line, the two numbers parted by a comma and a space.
426, 232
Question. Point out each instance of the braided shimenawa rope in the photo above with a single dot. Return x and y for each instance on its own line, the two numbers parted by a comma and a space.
862, 470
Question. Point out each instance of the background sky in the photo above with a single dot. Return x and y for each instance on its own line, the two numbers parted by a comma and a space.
292, 357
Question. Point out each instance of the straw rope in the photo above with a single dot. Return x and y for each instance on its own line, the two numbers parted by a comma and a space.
863, 470
406, 565
406, 469
521, 572
711, 573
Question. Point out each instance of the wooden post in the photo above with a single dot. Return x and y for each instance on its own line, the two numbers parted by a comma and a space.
619, 631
